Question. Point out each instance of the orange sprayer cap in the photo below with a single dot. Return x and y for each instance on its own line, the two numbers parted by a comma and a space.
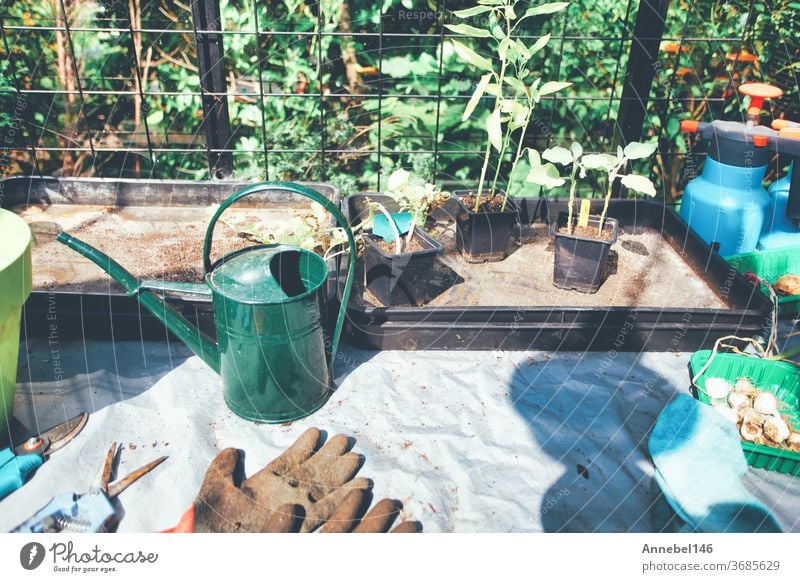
690, 125
757, 93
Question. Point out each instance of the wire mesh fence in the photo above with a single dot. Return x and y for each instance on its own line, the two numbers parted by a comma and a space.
348, 90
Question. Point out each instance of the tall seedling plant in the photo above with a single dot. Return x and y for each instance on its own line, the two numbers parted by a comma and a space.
507, 77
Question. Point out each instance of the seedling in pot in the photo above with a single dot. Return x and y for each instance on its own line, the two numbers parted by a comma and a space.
416, 196
580, 256
400, 277
547, 176
507, 69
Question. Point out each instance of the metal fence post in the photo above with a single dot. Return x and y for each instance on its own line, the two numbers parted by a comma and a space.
651, 19
211, 65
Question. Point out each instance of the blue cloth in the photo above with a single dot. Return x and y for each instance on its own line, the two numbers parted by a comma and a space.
699, 466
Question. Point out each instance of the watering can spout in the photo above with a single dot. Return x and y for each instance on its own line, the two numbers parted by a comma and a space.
196, 340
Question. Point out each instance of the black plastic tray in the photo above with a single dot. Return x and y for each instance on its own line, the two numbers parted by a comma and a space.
114, 315
577, 328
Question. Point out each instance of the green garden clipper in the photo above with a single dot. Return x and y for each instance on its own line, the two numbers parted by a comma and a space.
269, 307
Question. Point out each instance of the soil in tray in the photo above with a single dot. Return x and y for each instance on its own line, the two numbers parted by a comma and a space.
152, 243
389, 248
643, 270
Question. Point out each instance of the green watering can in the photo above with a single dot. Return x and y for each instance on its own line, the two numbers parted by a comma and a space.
269, 307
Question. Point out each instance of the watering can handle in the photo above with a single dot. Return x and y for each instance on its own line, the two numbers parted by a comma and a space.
316, 197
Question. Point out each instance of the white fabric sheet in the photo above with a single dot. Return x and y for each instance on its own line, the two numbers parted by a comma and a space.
469, 441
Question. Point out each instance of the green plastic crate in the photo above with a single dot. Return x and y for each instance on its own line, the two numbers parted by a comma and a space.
771, 265
780, 378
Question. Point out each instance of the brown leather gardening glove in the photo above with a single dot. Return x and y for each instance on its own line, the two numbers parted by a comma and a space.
349, 516
298, 491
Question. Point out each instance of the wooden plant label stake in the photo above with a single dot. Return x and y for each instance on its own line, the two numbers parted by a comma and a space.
583, 215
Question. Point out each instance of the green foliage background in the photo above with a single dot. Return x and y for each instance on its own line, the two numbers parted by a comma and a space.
280, 135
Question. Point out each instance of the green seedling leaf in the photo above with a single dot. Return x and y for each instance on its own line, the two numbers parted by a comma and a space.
577, 150
493, 89
502, 48
490, 2
553, 87
382, 228
519, 119
534, 158
496, 28
510, 14
468, 30
620, 154
538, 45
474, 11
517, 186
637, 150
495, 130
513, 107
470, 56
476, 96
398, 180
517, 85
522, 51
497, 32
605, 162
548, 8
546, 176
558, 155
639, 184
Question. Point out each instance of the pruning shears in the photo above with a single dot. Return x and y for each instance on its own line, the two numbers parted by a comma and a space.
18, 464
88, 512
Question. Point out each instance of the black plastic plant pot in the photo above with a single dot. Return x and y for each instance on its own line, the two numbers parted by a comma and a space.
483, 237
528, 208
580, 261
531, 208
400, 279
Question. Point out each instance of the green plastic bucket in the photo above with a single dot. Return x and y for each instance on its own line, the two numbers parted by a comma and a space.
15, 286
771, 265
